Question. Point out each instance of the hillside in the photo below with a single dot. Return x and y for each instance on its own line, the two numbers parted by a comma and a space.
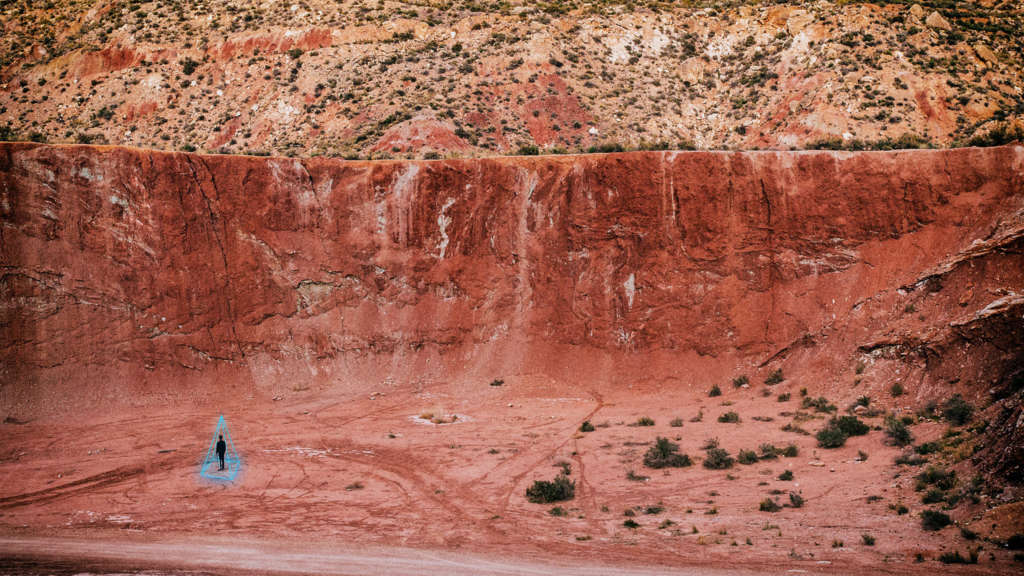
402, 348
441, 78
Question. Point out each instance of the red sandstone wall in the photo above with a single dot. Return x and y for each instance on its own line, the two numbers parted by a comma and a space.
179, 272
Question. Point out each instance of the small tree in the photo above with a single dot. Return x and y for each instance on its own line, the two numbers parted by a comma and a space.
718, 459
897, 431
665, 454
957, 410
557, 490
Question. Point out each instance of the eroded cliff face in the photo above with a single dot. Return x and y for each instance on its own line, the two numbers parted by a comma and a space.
132, 276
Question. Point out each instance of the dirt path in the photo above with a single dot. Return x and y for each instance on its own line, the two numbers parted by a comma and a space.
35, 553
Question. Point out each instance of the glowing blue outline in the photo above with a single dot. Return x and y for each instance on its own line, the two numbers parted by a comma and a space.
232, 460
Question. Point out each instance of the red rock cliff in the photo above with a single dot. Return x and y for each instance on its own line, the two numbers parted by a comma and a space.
171, 274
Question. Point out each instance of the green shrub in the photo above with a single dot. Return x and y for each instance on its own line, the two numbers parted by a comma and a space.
718, 459
956, 558
927, 448
867, 539
631, 524
740, 381
786, 476
665, 454
938, 477
528, 150
747, 457
831, 436
715, 391
820, 404
769, 505
1000, 135
558, 511
897, 431
784, 397
497, 382
791, 451
796, 500
774, 378
644, 421
896, 389
557, 490
676, 423
932, 520
768, 451
188, 66
933, 496
729, 417
851, 425
586, 426
957, 410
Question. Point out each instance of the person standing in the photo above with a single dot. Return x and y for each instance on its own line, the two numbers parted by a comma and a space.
222, 448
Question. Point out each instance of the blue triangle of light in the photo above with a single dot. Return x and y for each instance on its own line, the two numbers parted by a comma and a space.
210, 466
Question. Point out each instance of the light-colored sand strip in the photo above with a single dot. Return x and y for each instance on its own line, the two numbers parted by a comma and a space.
250, 555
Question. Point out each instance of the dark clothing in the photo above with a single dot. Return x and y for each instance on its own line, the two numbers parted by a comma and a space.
222, 447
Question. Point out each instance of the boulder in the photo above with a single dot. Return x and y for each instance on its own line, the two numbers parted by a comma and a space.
936, 20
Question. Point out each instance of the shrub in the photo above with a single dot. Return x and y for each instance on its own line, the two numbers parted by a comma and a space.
957, 410
1015, 542
791, 451
769, 452
769, 505
729, 417
956, 558
188, 66
558, 511
774, 378
676, 423
851, 425
867, 539
636, 477
897, 431
497, 382
786, 476
656, 509
784, 397
796, 500
644, 421
820, 404
715, 391
665, 454
935, 476
747, 457
831, 436
999, 135
631, 524
932, 520
557, 490
896, 389
933, 496
927, 448
528, 150
910, 459
586, 426
718, 459
740, 381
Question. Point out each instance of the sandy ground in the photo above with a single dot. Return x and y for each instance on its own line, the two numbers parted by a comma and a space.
361, 484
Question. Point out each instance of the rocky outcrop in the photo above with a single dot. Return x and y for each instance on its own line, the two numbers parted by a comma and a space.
175, 275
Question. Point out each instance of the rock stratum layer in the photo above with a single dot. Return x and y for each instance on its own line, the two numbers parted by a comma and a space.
139, 277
